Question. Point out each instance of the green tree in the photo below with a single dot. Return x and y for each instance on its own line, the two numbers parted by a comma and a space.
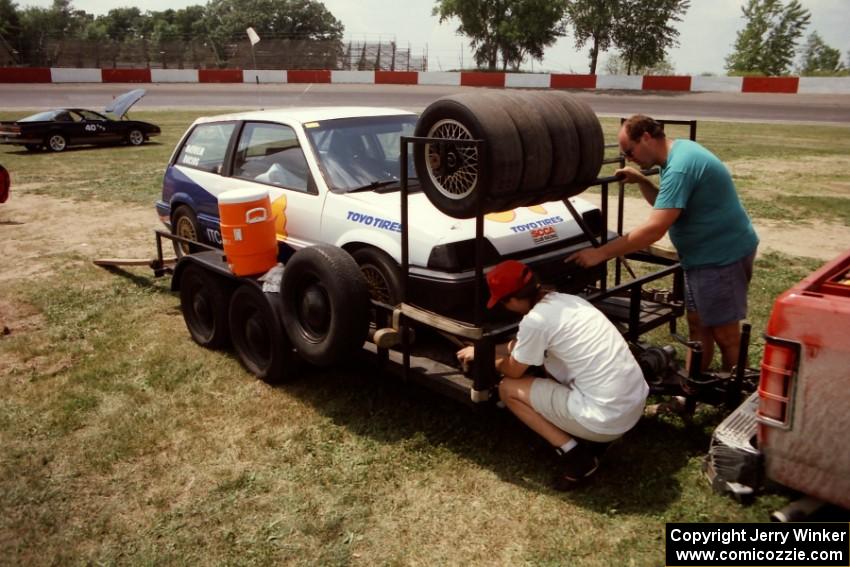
593, 22
508, 29
768, 41
10, 31
820, 59
227, 20
643, 30
616, 65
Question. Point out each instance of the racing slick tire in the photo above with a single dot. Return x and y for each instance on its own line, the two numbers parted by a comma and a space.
56, 142
563, 136
381, 273
203, 302
591, 149
325, 304
135, 137
257, 335
184, 222
457, 178
534, 137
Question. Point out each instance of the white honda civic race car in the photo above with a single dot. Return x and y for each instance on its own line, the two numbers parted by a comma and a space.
333, 176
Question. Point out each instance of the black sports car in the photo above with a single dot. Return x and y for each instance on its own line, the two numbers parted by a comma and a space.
57, 129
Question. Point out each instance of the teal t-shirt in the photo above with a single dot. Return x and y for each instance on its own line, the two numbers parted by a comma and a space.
713, 229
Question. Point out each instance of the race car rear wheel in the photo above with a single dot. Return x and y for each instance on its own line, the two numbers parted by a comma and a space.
184, 222
203, 302
56, 142
325, 304
257, 335
135, 138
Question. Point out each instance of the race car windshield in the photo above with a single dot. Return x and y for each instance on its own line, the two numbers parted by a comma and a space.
41, 116
361, 153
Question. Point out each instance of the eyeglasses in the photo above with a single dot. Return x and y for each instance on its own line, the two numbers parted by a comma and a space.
630, 153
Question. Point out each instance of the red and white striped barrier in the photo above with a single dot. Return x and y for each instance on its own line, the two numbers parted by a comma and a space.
792, 85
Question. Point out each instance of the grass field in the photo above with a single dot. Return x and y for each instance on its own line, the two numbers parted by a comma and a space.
123, 442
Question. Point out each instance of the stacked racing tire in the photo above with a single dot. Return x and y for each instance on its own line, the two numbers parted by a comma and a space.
536, 147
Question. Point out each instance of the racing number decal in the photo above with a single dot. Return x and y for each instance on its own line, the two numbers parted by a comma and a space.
91, 128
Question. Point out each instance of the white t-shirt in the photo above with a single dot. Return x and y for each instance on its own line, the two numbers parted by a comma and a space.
582, 349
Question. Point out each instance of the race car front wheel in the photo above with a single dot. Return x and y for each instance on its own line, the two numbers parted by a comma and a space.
136, 138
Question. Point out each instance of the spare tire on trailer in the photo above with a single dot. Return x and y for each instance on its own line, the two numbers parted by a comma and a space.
456, 177
591, 149
534, 137
325, 304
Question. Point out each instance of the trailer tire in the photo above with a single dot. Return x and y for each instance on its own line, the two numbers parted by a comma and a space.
258, 337
203, 302
381, 273
468, 180
325, 303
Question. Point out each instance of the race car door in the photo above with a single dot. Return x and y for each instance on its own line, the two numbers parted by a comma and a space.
269, 154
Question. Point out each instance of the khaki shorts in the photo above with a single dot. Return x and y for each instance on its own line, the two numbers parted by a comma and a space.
549, 399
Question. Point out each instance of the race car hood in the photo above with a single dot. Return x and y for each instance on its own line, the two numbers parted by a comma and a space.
121, 104
513, 231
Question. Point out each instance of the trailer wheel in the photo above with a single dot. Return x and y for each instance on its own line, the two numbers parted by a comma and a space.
203, 301
381, 274
457, 176
258, 337
184, 222
325, 304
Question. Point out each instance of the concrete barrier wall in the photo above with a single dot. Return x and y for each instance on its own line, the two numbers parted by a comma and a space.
255, 76
75, 76
684, 83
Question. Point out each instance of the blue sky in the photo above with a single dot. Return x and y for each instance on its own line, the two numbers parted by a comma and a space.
706, 33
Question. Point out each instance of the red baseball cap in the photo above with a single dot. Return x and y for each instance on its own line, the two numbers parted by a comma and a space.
506, 278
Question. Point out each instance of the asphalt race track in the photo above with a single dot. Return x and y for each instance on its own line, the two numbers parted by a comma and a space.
755, 107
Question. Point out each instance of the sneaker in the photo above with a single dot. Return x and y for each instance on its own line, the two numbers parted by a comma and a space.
577, 466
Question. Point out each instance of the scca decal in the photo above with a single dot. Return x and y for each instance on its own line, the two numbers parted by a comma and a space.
377, 222
545, 234
536, 224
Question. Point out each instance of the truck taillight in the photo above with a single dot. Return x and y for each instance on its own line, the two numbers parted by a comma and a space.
778, 373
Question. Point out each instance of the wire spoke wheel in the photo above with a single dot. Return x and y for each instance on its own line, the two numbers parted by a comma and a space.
454, 170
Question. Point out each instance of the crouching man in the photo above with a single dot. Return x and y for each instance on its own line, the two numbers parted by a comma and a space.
596, 392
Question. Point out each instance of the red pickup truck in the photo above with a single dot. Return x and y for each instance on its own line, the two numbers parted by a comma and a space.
792, 430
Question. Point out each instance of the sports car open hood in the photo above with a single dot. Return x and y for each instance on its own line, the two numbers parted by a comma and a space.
121, 104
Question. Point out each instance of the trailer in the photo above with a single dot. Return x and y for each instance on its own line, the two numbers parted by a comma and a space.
309, 312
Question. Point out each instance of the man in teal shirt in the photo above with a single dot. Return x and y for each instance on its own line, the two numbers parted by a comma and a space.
698, 204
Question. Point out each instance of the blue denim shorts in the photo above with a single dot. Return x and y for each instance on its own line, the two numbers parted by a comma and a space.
719, 293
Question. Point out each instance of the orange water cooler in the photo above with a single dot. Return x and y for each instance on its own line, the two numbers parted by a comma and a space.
248, 231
